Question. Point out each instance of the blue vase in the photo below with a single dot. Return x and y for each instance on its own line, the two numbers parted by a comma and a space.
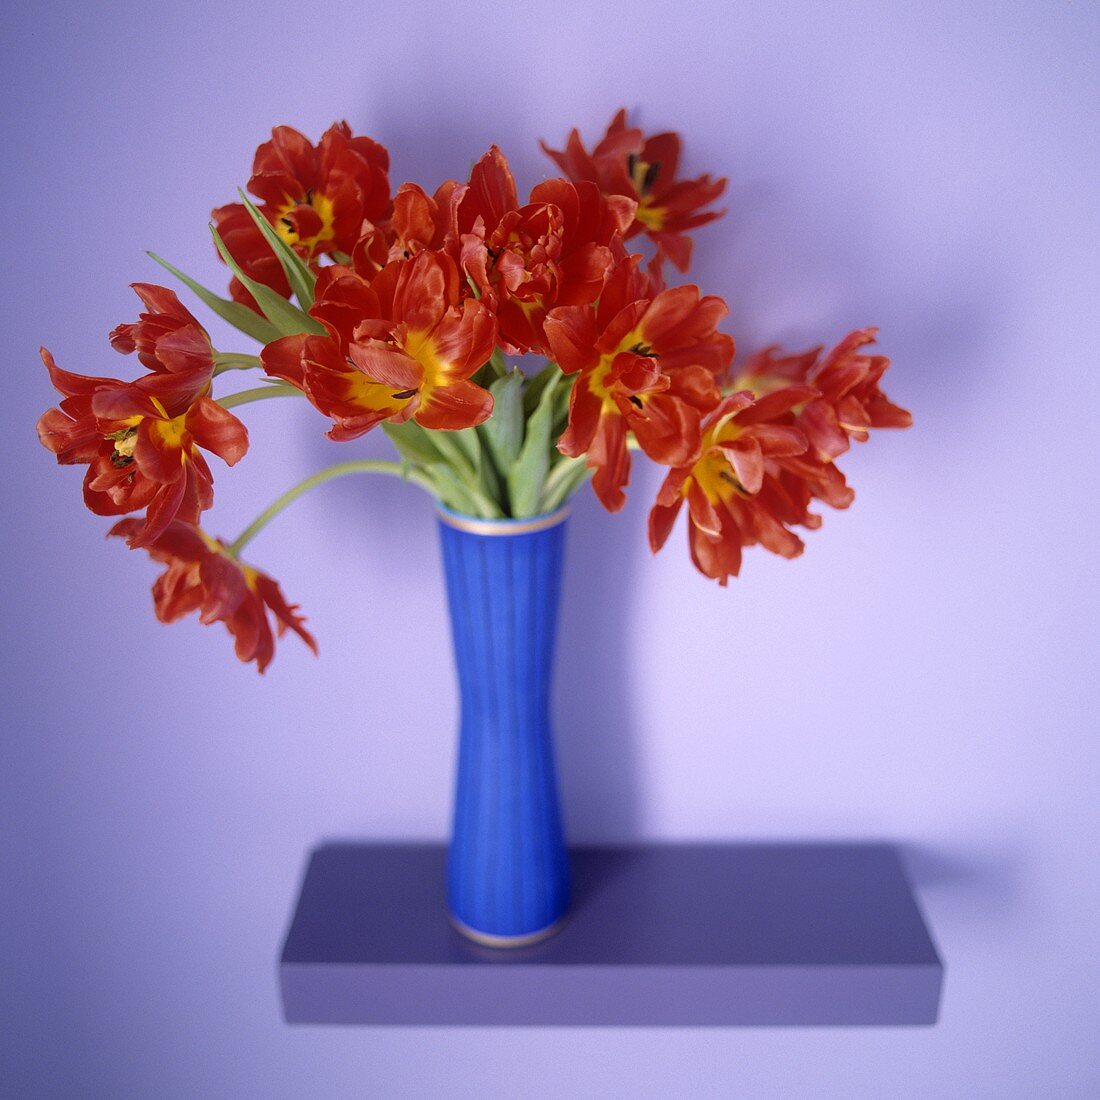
507, 866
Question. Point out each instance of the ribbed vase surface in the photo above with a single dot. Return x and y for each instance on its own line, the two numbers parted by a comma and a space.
507, 867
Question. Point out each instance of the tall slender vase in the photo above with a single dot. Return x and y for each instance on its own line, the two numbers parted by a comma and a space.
507, 866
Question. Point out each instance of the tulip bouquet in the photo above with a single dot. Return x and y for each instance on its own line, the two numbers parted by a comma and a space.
399, 309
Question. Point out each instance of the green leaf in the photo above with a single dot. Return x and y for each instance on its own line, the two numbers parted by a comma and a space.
458, 495
488, 476
455, 455
288, 319
449, 493
497, 364
466, 439
484, 474
493, 368
561, 406
301, 279
456, 480
503, 431
463, 453
239, 316
413, 443
565, 477
527, 474
536, 384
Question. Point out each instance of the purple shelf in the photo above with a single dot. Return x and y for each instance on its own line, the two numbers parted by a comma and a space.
660, 935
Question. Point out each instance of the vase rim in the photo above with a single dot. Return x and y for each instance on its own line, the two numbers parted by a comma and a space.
478, 525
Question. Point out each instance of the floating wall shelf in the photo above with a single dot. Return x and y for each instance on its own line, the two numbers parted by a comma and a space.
659, 935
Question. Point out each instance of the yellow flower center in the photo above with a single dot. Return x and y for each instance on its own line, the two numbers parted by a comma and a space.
642, 175
652, 217
420, 346
714, 472
374, 396
125, 440
633, 341
170, 434
211, 543
322, 206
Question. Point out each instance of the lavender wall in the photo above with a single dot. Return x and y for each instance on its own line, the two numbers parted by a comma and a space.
926, 673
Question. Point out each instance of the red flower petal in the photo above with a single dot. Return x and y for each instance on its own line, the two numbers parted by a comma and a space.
386, 365
609, 455
283, 359
584, 418
285, 613
571, 334
455, 406
662, 517
159, 451
217, 430
163, 509
668, 430
492, 192
748, 463
465, 338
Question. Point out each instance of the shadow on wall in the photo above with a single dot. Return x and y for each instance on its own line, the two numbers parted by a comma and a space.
804, 266
989, 880
798, 267
389, 523
430, 146
592, 710
594, 715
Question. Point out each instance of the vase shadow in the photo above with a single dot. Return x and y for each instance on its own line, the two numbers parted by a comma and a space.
593, 697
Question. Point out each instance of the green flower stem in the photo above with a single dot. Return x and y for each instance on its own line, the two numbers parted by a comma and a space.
453, 453
232, 400
498, 364
231, 360
341, 469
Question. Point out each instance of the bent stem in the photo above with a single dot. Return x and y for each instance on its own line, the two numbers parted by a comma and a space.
231, 401
341, 469
231, 360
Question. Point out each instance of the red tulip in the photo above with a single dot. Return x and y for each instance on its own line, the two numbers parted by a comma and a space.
732, 491
318, 198
168, 337
401, 346
850, 401
140, 441
251, 252
524, 261
647, 366
767, 455
627, 163
203, 576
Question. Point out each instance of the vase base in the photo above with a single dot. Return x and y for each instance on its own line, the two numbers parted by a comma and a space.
487, 939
